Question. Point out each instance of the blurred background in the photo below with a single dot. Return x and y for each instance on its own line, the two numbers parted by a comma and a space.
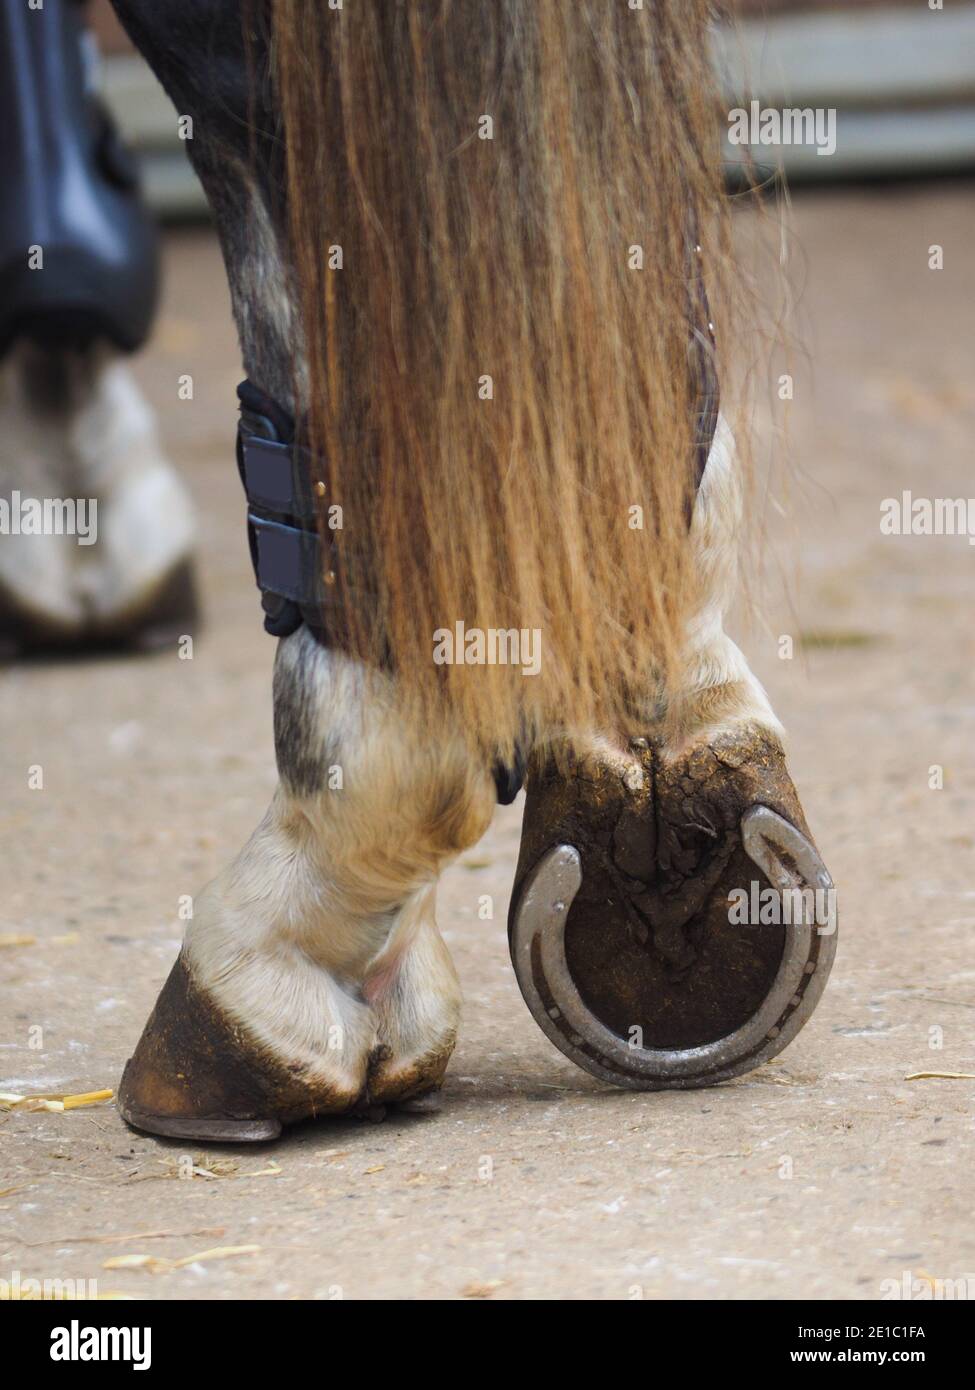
900, 73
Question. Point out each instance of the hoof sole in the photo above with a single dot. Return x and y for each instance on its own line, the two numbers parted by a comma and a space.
637, 973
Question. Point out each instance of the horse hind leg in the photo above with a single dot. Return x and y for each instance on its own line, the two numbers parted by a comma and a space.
312, 979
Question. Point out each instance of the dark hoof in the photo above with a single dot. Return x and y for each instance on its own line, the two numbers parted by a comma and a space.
195, 1074
626, 928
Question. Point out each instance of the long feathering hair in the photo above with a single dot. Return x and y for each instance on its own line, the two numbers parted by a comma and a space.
498, 359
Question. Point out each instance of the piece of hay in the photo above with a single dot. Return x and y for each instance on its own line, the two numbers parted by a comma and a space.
9, 1101
17, 939
87, 1098
940, 1076
209, 1167
153, 1263
136, 1235
481, 1288
53, 1104
159, 1264
830, 640
219, 1252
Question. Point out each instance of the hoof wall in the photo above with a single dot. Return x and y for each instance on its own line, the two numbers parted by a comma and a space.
154, 623
196, 1075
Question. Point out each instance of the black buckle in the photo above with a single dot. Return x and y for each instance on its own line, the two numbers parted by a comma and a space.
282, 524
276, 477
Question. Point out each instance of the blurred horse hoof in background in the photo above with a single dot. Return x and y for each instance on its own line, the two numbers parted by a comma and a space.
644, 927
98, 528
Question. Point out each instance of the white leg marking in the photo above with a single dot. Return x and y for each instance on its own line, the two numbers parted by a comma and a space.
714, 662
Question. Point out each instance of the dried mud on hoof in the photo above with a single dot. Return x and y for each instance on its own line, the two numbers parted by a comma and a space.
622, 929
196, 1075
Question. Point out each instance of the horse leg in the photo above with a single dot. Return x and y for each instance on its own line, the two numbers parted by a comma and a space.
623, 928
312, 979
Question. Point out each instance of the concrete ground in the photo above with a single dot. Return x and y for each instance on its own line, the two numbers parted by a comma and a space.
822, 1175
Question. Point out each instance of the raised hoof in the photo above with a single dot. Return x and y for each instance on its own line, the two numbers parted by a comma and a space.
622, 930
195, 1074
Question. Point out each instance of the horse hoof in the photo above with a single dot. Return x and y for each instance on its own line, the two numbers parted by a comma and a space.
653, 931
196, 1074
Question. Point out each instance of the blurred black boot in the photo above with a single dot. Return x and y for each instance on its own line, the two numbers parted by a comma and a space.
79, 281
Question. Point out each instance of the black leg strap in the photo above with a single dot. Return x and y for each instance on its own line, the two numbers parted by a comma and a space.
275, 480
282, 525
